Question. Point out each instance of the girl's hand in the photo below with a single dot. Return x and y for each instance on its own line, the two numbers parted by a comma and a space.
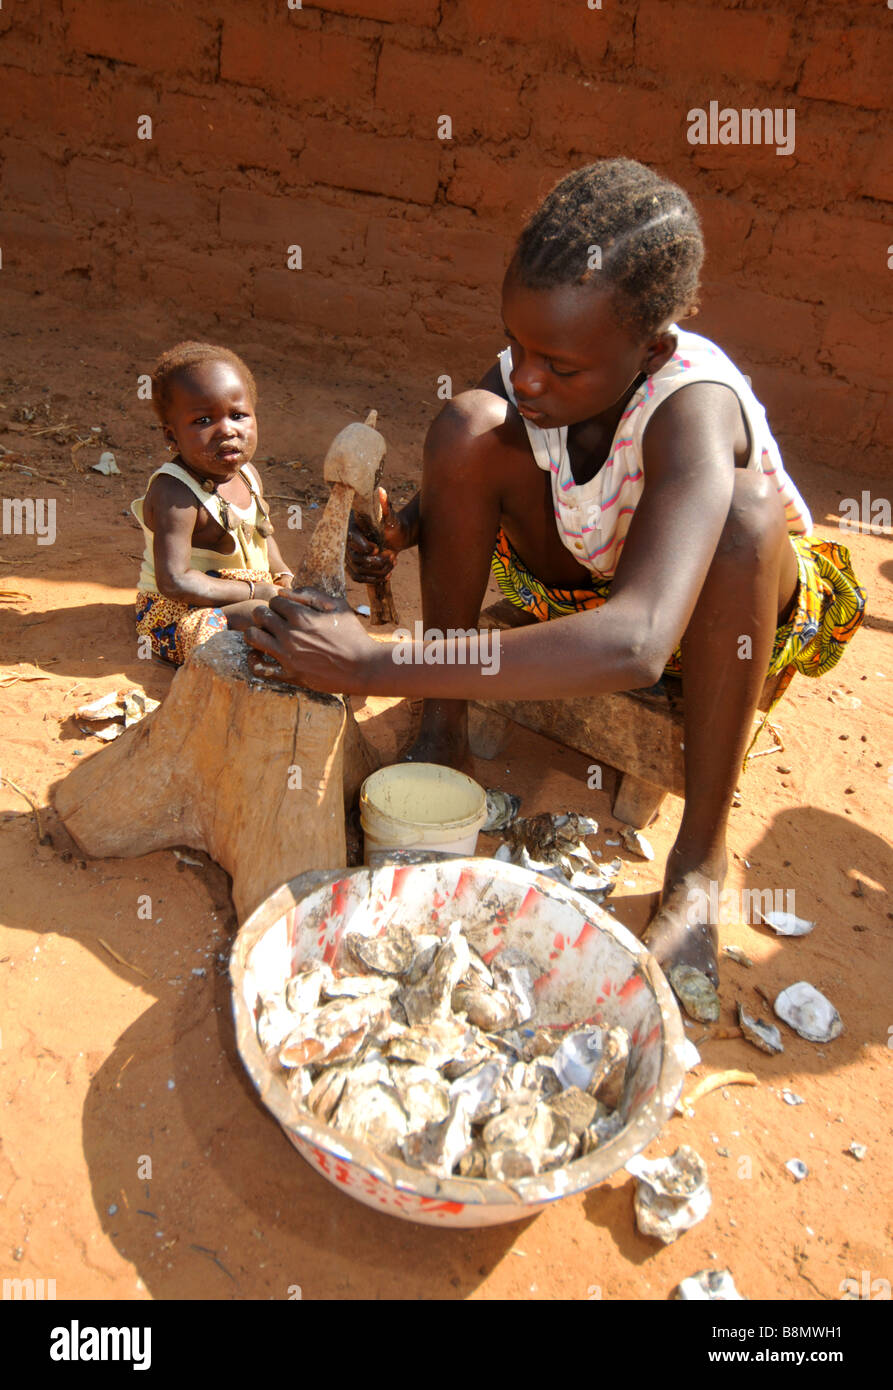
366, 559
318, 642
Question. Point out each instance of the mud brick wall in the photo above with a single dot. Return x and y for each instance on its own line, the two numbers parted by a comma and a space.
320, 127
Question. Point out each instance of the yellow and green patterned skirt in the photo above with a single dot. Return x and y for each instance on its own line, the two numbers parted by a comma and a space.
829, 607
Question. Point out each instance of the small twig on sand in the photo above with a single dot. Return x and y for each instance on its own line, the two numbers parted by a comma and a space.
50, 429
212, 1255
819, 1291
33, 473
10, 677
41, 838
112, 952
123, 1069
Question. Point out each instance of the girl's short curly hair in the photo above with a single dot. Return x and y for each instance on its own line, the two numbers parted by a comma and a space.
180, 359
645, 232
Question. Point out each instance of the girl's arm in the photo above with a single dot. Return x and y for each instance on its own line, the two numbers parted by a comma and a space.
172, 514
624, 645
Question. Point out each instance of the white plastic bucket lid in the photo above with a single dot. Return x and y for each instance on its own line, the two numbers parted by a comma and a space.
421, 803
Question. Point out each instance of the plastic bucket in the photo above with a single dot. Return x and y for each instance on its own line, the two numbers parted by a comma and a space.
421, 806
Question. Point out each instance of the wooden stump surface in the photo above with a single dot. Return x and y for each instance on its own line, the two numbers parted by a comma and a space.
256, 774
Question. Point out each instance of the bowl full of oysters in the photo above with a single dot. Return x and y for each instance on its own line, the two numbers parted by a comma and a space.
457, 1041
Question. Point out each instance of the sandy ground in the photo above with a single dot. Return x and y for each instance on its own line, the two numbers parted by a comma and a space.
105, 1063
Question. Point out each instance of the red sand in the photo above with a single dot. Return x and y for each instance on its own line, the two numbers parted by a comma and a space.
105, 1065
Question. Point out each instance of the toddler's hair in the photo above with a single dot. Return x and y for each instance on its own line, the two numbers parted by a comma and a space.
178, 361
643, 228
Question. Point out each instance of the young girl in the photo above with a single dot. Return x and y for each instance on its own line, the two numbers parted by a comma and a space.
209, 541
619, 474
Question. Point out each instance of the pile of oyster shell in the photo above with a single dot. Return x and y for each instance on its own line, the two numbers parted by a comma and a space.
413, 1045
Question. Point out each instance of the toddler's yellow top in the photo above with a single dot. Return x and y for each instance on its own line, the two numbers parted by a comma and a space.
249, 547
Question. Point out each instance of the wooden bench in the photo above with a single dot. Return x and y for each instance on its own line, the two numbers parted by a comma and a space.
638, 732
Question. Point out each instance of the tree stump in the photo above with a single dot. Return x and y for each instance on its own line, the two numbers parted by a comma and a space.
257, 774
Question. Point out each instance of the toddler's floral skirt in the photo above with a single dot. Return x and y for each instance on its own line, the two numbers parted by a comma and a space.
174, 628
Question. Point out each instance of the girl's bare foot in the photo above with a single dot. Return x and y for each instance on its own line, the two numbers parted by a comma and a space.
442, 737
683, 931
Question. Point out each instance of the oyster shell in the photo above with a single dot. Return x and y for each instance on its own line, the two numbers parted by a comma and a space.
809, 1013
392, 953
763, 1035
577, 1059
489, 1009
426, 948
333, 1031
326, 1091
514, 972
425, 1095
547, 835
540, 1076
482, 1085
610, 1076
596, 883
672, 1194
434, 1045
502, 810
302, 991
554, 845
695, 993
635, 842
479, 1049
439, 1146
578, 1108
374, 1114
787, 924
274, 1022
473, 1164
715, 1285
478, 971
299, 1084
431, 998
606, 1125
518, 1141
542, 1042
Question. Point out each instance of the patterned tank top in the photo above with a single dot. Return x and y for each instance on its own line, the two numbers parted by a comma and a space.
594, 517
